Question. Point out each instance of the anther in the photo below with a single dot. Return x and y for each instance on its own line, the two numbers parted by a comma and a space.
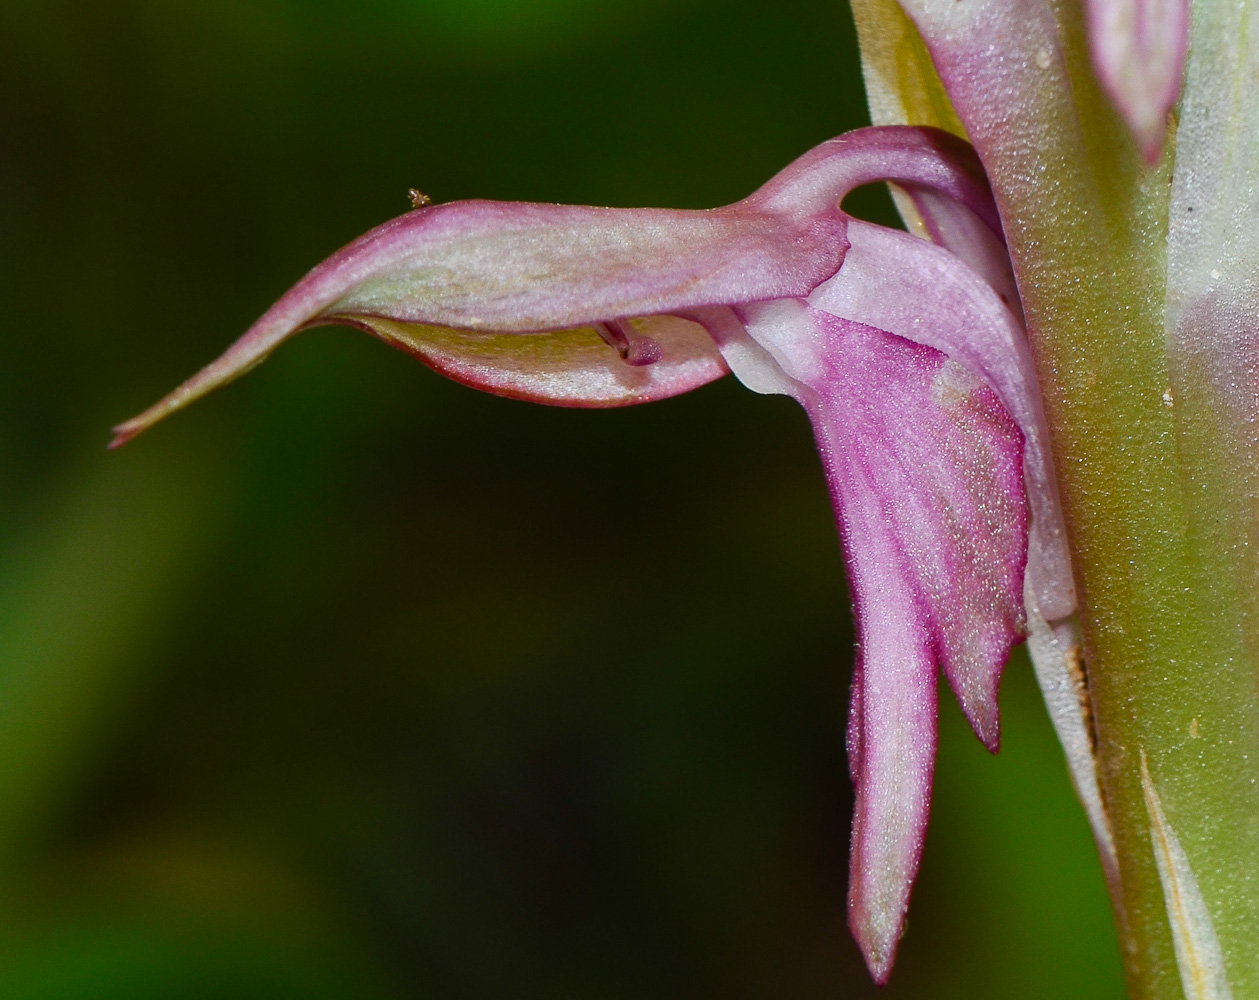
633, 348
418, 198
643, 351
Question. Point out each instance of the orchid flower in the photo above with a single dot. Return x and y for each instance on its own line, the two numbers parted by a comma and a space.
1035, 411
907, 355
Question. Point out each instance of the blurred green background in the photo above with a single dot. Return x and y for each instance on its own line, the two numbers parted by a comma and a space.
350, 682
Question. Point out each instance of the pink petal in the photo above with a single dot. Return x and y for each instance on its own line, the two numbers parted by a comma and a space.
925, 469
1138, 49
882, 284
908, 287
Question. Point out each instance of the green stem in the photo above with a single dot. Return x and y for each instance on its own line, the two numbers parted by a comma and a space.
1155, 436
1169, 672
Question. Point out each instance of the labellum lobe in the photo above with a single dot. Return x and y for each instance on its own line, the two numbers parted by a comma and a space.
925, 471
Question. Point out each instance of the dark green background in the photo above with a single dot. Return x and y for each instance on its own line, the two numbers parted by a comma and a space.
353, 683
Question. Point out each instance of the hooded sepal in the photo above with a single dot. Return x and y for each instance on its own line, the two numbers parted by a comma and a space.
434, 279
572, 305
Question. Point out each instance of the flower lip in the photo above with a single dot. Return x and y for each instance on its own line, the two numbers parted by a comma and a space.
925, 468
968, 322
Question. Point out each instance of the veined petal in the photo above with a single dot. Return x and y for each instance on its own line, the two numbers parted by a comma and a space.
924, 467
1138, 49
882, 285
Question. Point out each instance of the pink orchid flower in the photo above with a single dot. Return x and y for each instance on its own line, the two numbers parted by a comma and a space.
908, 355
